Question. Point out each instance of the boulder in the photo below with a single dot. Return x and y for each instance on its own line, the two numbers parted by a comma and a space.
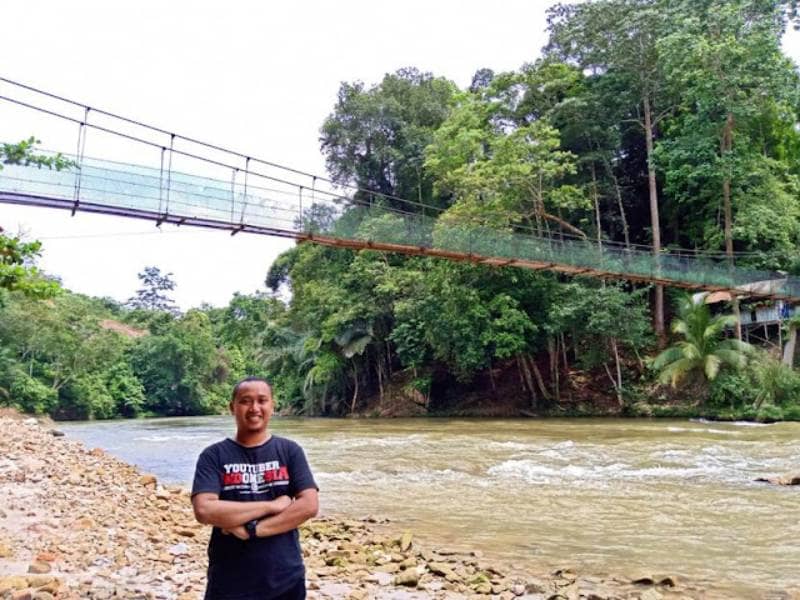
786, 479
39, 566
11, 583
408, 578
148, 480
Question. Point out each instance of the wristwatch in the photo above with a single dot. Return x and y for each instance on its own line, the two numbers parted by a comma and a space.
250, 526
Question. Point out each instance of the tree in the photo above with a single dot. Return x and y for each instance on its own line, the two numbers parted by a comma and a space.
375, 137
617, 39
152, 296
793, 324
702, 352
18, 271
724, 60
505, 173
182, 370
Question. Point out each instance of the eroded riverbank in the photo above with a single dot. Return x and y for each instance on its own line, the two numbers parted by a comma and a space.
80, 523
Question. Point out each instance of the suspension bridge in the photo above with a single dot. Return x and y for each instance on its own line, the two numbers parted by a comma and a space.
180, 180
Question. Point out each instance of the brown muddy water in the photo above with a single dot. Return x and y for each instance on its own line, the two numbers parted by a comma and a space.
600, 495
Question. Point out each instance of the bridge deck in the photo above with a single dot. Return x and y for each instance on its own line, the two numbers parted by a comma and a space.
202, 202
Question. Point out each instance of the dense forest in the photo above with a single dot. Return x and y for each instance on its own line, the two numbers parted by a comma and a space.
665, 124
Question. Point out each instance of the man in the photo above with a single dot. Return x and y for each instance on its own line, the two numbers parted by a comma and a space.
255, 490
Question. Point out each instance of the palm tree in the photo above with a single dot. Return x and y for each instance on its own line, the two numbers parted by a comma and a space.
703, 350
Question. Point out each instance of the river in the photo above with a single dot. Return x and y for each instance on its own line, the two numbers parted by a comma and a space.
601, 495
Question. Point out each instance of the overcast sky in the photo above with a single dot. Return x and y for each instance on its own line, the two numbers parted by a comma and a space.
258, 77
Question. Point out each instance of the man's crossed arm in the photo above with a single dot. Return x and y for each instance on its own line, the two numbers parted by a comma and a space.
227, 514
275, 516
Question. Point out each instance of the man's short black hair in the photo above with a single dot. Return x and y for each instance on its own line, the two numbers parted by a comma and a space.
248, 380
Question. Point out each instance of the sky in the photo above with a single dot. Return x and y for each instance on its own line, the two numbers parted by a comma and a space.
257, 77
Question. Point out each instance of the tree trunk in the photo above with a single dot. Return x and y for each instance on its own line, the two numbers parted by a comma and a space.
539, 380
379, 369
596, 198
654, 218
726, 145
620, 205
355, 391
619, 371
791, 344
552, 350
527, 380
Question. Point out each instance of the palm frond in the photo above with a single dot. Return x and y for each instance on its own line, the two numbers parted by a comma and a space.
711, 366
674, 372
668, 356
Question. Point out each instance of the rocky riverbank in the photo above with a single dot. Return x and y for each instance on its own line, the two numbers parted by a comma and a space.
78, 523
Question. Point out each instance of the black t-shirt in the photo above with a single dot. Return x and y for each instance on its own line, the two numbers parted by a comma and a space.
264, 567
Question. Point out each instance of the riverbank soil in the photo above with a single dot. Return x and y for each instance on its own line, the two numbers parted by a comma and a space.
78, 523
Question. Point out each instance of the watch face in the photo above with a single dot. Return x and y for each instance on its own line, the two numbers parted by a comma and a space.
250, 526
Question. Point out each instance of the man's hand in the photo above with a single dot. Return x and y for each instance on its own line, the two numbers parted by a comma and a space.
305, 506
240, 532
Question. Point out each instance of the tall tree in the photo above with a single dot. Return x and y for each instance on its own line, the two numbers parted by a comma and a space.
375, 137
618, 39
152, 296
724, 59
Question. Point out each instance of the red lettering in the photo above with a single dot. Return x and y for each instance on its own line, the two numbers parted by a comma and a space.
231, 478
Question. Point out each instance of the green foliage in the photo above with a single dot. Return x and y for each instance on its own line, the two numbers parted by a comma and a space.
26, 153
17, 271
702, 352
375, 137
152, 295
29, 394
645, 119
182, 370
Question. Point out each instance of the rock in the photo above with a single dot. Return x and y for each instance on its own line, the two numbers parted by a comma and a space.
379, 577
443, 570
651, 594
12, 582
518, 589
39, 566
84, 523
180, 549
56, 433
148, 480
6, 551
536, 586
484, 587
185, 532
46, 556
390, 568
643, 579
405, 541
667, 580
408, 578
39, 581
787, 479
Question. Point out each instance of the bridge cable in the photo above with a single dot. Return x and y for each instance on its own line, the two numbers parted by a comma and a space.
79, 154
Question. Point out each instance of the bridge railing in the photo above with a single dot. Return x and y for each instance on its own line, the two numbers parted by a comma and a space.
274, 207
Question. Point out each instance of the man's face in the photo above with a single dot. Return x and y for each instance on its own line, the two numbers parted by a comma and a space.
252, 407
